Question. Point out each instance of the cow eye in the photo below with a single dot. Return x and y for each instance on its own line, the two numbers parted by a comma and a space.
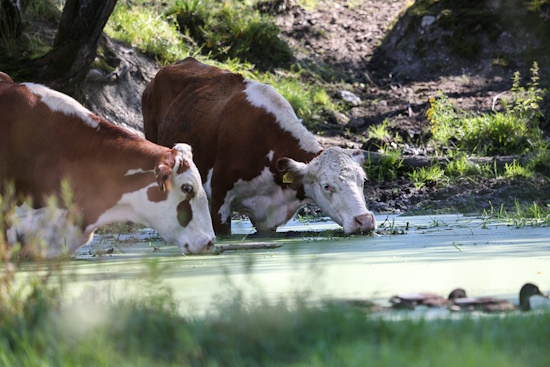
328, 188
188, 189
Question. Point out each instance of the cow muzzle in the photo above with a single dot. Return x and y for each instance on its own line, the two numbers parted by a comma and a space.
188, 250
364, 223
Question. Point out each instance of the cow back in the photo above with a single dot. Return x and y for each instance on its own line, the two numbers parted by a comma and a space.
49, 137
210, 109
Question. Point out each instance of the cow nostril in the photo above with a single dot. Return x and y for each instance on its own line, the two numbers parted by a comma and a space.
186, 247
365, 221
210, 246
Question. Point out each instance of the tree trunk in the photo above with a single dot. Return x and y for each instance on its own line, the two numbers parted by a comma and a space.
65, 67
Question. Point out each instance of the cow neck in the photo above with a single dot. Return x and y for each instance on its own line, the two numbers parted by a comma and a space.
124, 164
135, 152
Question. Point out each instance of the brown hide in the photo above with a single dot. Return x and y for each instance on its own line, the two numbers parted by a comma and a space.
206, 107
39, 147
5, 78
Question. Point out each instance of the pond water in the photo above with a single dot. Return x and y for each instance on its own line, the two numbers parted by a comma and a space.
430, 253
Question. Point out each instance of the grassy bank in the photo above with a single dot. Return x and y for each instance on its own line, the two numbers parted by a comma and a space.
38, 329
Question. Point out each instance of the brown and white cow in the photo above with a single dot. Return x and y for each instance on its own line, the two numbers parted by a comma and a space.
115, 175
253, 153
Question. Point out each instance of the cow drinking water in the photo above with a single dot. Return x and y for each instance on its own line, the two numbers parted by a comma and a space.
115, 175
252, 151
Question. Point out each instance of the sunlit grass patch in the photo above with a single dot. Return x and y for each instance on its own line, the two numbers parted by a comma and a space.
429, 176
232, 29
516, 170
380, 131
512, 131
388, 167
149, 31
459, 166
487, 134
310, 102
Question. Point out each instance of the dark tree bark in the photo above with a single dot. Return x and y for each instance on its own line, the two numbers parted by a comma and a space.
65, 67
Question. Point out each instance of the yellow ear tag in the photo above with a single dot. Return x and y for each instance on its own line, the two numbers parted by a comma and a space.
288, 178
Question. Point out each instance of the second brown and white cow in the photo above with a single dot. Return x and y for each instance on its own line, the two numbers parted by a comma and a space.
115, 175
253, 153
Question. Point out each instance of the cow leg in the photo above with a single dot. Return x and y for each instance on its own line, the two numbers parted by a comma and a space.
221, 199
220, 210
221, 223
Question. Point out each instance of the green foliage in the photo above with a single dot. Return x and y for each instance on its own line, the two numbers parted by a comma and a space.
523, 214
381, 137
388, 166
514, 131
379, 132
540, 162
460, 166
147, 330
429, 176
45, 9
41, 323
310, 102
232, 29
149, 31
525, 101
516, 170
538, 5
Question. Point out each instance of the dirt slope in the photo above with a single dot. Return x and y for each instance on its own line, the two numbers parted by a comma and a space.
393, 58
396, 58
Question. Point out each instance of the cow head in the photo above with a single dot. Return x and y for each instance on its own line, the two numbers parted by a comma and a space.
181, 215
333, 180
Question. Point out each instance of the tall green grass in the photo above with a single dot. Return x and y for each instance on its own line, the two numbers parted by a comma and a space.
430, 176
232, 29
521, 215
149, 30
41, 324
513, 131
148, 330
388, 167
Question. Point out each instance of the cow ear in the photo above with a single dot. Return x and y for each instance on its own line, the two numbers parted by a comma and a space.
357, 155
185, 150
293, 172
185, 155
163, 173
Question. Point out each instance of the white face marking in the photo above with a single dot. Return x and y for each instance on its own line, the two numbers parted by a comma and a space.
270, 155
60, 102
265, 202
197, 236
264, 96
47, 229
334, 180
